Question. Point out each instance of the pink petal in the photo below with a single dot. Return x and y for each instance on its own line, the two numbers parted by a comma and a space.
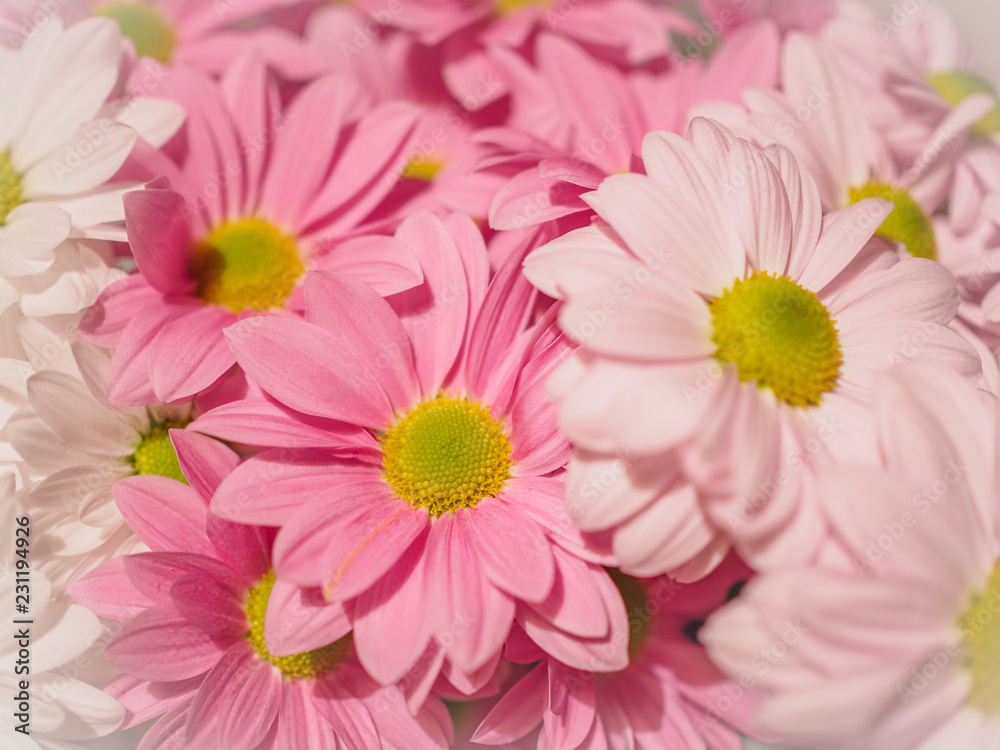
518, 711
501, 319
363, 175
159, 237
521, 564
845, 233
386, 650
435, 313
153, 573
760, 209
252, 99
299, 723
108, 592
203, 461
210, 605
650, 320
528, 199
104, 322
328, 379
304, 148
289, 485
365, 325
263, 421
300, 620
145, 700
384, 263
160, 644
472, 618
346, 537
246, 716
188, 354
166, 515
574, 604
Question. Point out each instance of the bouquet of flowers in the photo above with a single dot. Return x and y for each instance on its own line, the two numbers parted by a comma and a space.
556, 374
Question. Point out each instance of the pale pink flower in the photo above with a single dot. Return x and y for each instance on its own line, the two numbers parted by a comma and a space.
192, 648
900, 650
670, 695
261, 195
415, 476
731, 331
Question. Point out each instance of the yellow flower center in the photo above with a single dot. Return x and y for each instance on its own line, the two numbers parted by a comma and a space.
955, 85
155, 453
309, 665
248, 263
10, 187
446, 454
779, 335
907, 223
640, 616
424, 168
980, 626
152, 34
507, 7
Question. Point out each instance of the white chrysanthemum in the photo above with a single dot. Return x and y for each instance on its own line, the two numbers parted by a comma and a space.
61, 140
63, 706
73, 447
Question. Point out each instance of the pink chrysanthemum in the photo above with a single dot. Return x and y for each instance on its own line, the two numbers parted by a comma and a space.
630, 32
208, 35
259, 198
440, 509
903, 649
575, 120
670, 696
193, 646
729, 337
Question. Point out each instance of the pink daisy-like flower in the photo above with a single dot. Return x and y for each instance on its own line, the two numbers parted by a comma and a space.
903, 649
261, 196
730, 334
670, 695
574, 119
192, 648
208, 35
440, 509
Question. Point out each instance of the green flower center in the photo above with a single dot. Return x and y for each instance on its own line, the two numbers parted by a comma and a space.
248, 263
10, 187
640, 617
955, 85
152, 34
155, 453
446, 454
907, 223
779, 335
309, 665
980, 626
